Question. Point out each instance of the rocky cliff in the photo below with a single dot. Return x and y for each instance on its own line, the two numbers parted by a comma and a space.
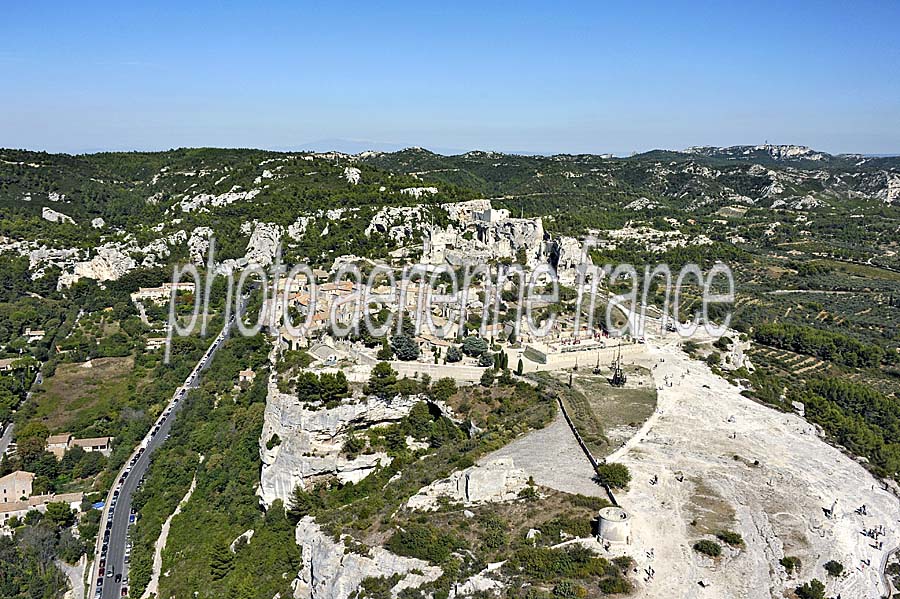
330, 571
299, 444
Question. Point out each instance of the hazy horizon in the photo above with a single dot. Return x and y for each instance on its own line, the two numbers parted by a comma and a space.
358, 146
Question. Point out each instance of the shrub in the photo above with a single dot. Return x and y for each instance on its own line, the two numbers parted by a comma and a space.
569, 590
732, 538
790, 564
615, 585
613, 475
423, 541
811, 590
706, 547
487, 378
834, 568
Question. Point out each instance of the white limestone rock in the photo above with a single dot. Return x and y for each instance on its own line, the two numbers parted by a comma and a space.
311, 440
567, 255
477, 584
198, 244
297, 229
464, 212
494, 481
352, 174
53, 216
418, 192
246, 535
263, 244
891, 193
202, 202
400, 223
98, 223
330, 571
109, 263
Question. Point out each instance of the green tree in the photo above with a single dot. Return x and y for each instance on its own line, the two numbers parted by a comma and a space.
382, 381
520, 367
405, 347
474, 346
443, 389
300, 505
487, 378
834, 568
453, 354
59, 514
220, 560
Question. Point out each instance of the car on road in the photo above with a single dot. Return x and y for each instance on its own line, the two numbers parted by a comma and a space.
118, 578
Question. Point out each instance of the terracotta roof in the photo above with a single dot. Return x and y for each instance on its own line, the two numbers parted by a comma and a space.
91, 441
60, 438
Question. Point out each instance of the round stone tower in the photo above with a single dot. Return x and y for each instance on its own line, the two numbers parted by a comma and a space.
615, 526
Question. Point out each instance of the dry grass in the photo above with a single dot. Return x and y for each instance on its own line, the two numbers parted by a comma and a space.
75, 395
608, 416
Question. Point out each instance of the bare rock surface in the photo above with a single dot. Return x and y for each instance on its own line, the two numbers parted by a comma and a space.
330, 571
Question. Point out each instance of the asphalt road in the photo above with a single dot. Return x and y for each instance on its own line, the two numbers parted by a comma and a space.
110, 553
6, 439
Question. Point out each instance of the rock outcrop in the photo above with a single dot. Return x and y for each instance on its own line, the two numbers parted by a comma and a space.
310, 440
201, 202
485, 234
261, 249
330, 571
352, 175
110, 263
53, 216
418, 192
400, 223
494, 481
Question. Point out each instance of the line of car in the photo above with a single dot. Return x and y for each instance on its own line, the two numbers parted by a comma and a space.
103, 572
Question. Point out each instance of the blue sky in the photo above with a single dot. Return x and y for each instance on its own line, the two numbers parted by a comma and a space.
516, 76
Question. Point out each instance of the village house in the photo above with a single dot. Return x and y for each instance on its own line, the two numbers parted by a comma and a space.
32, 335
59, 444
19, 509
16, 486
161, 293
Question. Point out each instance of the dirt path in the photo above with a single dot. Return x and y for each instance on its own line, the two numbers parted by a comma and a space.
153, 585
75, 574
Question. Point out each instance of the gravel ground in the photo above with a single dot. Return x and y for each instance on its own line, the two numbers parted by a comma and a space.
743, 466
